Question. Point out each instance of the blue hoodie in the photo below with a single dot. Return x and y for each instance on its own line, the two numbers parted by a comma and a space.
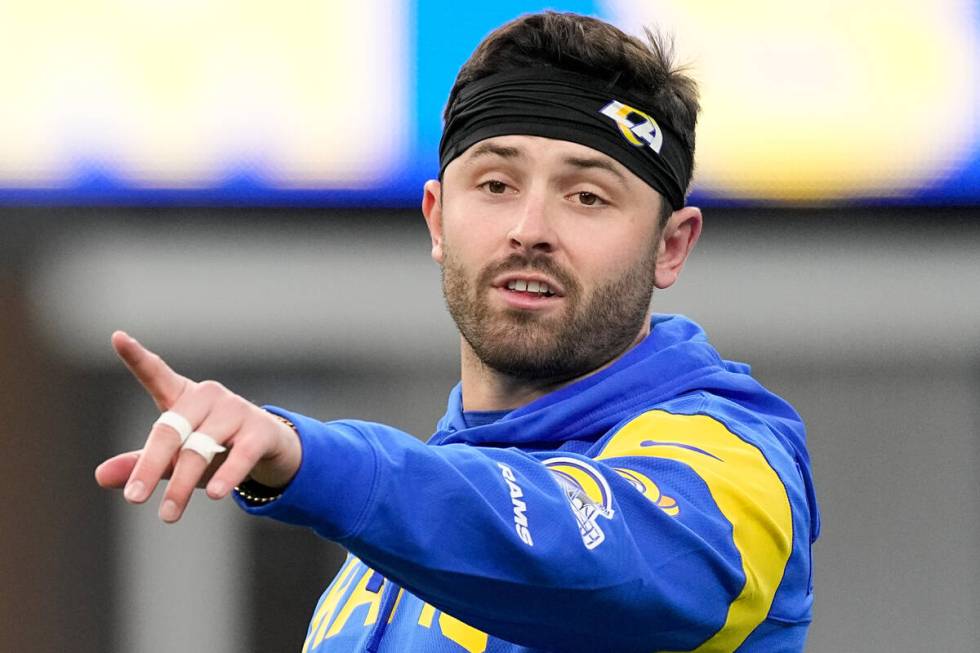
664, 503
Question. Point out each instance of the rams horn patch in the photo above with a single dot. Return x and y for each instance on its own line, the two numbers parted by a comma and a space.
588, 494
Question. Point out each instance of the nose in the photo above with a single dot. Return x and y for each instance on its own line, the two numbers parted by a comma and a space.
532, 232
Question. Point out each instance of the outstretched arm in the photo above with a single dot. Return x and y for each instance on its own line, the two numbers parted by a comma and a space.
636, 551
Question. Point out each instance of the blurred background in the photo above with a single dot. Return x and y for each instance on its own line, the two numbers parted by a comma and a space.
237, 184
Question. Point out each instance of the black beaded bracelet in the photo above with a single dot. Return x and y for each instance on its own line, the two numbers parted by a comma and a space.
255, 493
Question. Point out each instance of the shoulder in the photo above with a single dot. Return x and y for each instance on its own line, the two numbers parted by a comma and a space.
699, 427
750, 468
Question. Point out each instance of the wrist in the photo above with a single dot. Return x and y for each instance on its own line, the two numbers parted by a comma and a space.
271, 475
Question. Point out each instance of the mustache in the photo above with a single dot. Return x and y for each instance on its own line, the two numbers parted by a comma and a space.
522, 263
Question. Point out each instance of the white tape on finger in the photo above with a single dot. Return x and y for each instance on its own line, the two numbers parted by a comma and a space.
203, 445
177, 422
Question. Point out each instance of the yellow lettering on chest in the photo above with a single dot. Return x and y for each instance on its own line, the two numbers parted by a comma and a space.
360, 596
326, 610
471, 639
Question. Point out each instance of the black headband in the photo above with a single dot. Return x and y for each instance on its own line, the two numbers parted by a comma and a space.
570, 107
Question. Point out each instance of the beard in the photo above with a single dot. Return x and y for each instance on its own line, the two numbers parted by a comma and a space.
586, 334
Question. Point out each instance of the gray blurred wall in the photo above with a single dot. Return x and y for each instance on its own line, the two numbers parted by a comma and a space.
868, 321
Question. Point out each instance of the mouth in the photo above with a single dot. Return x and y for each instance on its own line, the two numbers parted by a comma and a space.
528, 292
529, 285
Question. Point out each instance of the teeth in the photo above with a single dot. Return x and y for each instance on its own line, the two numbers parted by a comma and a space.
522, 285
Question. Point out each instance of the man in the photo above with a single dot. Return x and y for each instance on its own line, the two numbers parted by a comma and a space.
602, 480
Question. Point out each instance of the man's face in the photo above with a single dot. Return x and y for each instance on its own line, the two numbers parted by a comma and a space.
548, 250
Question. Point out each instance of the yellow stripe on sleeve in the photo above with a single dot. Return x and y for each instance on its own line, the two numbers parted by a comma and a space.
747, 491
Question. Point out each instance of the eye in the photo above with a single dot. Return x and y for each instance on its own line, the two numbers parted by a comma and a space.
586, 198
494, 186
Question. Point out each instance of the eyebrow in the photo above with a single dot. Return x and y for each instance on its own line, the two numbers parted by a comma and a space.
583, 163
595, 163
492, 149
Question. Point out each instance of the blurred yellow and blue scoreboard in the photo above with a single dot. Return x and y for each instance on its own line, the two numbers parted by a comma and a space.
339, 103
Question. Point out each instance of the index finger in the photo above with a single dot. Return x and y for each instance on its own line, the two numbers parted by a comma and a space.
163, 384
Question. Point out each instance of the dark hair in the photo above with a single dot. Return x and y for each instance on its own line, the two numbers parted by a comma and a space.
592, 47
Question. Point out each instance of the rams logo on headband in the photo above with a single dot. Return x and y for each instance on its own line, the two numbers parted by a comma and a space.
588, 494
638, 128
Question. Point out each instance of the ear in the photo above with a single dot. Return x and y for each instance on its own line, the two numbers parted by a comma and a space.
432, 210
677, 239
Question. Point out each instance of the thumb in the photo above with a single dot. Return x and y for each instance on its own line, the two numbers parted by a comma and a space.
114, 472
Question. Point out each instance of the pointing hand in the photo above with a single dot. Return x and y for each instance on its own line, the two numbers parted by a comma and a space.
259, 444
